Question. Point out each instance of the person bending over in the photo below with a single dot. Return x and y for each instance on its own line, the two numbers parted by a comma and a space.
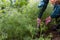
43, 5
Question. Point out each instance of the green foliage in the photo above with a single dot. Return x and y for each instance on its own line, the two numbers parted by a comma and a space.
20, 3
18, 21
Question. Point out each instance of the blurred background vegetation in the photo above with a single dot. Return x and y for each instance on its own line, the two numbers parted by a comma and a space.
18, 19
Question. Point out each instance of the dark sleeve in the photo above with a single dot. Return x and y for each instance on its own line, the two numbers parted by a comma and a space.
43, 5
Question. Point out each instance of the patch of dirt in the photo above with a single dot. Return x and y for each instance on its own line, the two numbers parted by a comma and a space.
56, 38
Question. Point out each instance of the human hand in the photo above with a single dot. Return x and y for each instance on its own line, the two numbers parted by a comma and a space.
48, 19
38, 22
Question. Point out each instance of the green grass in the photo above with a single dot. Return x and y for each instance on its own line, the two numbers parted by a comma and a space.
19, 23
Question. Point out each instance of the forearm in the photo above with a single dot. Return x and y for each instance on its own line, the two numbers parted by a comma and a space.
43, 6
41, 12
